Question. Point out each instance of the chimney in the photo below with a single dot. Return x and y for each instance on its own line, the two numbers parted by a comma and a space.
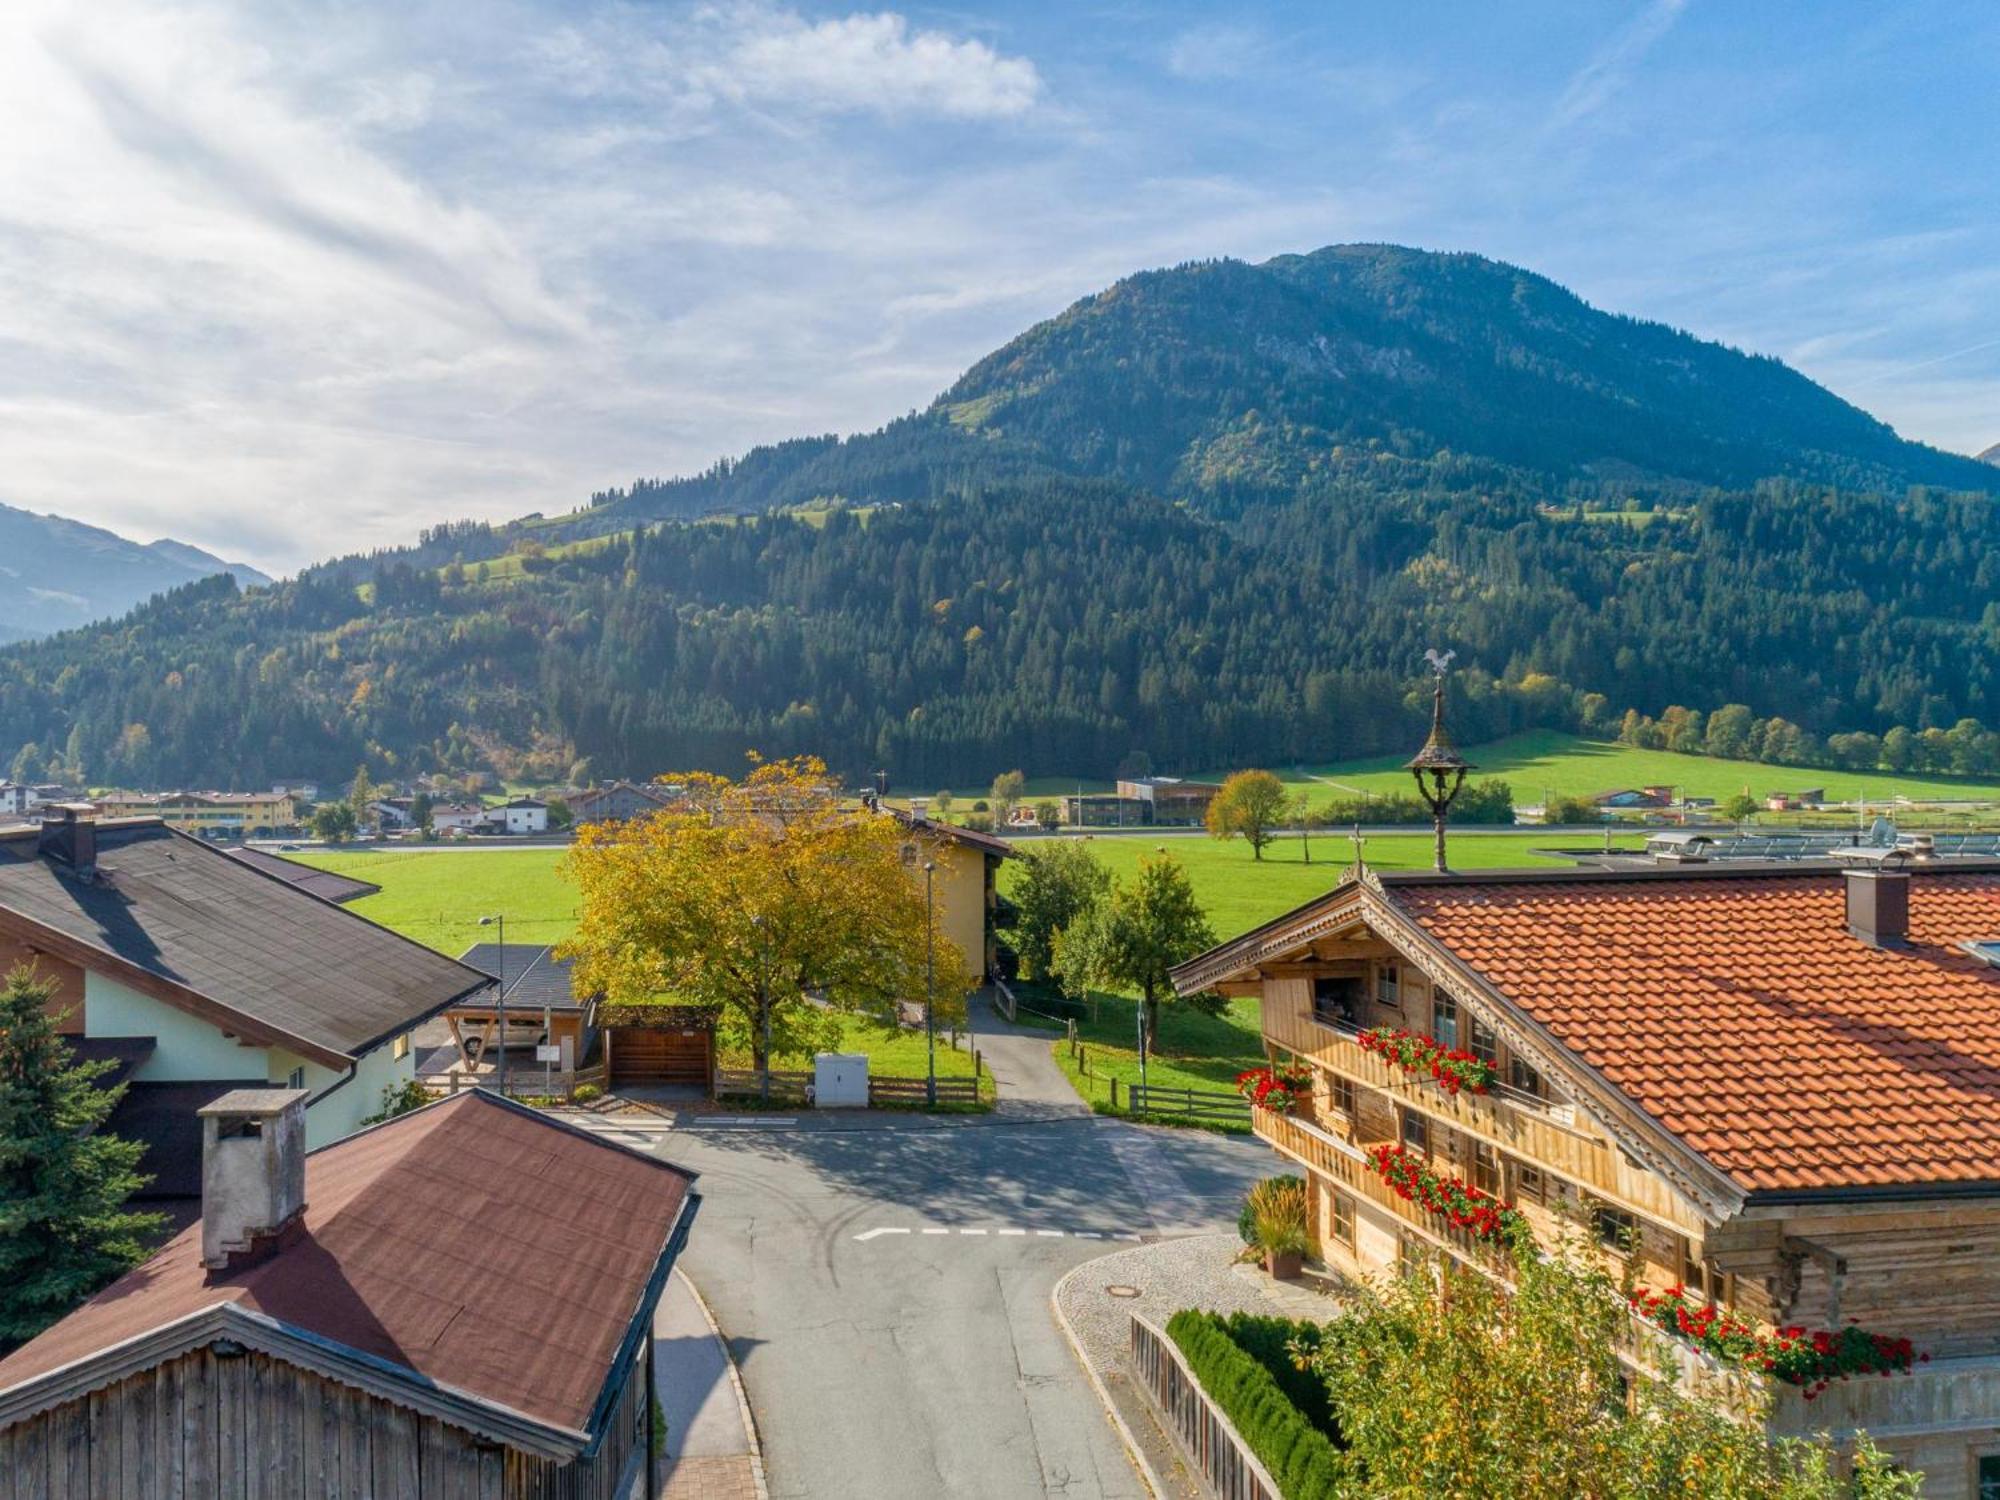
69, 834
1878, 905
253, 1174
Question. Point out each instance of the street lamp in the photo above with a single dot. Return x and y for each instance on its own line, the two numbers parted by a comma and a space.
930, 988
500, 967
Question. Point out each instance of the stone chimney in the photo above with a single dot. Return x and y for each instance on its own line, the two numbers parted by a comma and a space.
1878, 904
253, 1174
69, 835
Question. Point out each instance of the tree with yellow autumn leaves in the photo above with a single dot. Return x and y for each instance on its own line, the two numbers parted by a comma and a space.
770, 899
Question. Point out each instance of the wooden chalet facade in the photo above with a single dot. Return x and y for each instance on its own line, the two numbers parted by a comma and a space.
455, 1305
1775, 1086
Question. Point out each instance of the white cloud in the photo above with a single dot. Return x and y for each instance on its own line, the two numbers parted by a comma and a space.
873, 63
1218, 51
1598, 81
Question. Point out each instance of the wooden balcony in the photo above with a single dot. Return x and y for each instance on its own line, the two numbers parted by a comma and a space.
1346, 1164
1549, 1134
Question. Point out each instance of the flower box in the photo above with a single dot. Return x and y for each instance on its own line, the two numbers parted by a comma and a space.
1452, 1068
1277, 1089
1811, 1359
1471, 1209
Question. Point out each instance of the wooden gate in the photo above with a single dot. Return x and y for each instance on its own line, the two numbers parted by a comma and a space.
658, 1054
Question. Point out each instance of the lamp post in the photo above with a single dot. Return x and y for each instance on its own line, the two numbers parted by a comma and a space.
500, 966
930, 988
763, 1006
1438, 768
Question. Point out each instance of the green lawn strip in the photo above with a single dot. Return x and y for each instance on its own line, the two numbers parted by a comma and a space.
1193, 1051
437, 896
1301, 1457
1539, 761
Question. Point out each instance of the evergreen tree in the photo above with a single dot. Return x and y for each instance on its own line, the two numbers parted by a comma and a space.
64, 1231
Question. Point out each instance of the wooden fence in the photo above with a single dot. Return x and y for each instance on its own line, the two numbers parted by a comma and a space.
1186, 1104
525, 1080
748, 1083
1214, 1449
915, 1091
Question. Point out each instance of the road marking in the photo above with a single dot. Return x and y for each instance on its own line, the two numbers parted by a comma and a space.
937, 1231
972, 1231
869, 1234
1049, 1234
1013, 1231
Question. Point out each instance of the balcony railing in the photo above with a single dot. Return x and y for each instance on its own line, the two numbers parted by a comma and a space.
1347, 1164
1385, 1074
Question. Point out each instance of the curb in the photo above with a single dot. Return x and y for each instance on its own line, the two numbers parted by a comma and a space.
1133, 1451
735, 1385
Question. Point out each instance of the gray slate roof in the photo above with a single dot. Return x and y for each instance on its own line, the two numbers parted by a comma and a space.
322, 883
531, 972
230, 939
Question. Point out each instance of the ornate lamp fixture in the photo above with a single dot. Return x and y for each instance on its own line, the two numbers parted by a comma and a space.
1438, 768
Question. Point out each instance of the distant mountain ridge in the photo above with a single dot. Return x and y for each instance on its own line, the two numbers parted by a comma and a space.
56, 573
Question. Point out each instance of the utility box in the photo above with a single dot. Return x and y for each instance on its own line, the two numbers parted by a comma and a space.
840, 1080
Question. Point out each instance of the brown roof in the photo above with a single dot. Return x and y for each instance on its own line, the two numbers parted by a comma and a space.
475, 1244
254, 954
1735, 1010
972, 838
339, 889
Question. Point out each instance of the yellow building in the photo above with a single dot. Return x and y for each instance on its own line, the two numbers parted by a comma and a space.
966, 866
205, 812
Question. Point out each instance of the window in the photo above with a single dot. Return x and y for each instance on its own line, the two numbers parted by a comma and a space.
1343, 1220
1616, 1229
1389, 985
298, 1078
1416, 1132
1337, 998
1989, 1477
1444, 1019
1529, 1183
1342, 1091
1486, 1168
1485, 1044
400, 1048
1694, 1274
1524, 1078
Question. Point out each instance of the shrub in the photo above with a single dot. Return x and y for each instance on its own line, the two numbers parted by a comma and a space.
587, 1093
1271, 1341
399, 1099
1300, 1457
1281, 1217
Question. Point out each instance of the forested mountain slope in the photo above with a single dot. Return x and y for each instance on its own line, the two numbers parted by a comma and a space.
1214, 513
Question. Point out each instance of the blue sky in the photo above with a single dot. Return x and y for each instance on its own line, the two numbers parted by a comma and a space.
285, 280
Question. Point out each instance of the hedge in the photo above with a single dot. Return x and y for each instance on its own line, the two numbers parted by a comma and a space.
1298, 1454
1267, 1340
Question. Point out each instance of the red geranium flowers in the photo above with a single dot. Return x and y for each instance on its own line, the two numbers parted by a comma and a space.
1275, 1089
1477, 1212
1811, 1359
1453, 1067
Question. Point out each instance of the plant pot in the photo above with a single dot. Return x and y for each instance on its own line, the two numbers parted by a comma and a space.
1284, 1265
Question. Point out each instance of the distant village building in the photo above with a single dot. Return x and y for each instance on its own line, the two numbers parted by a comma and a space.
1634, 798
1803, 801
456, 1303
1171, 801
1103, 810
197, 972
521, 815
964, 884
621, 801
448, 817
229, 813
303, 788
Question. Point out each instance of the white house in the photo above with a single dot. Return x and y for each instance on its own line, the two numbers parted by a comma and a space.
196, 973
463, 816
522, 815
17, 800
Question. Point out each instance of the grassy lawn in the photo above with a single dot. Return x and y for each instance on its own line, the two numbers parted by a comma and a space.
1544, 760
1192, 1051
1238, 891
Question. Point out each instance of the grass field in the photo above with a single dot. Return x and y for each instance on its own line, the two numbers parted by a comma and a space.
1192, 1051
1543, 761
1238, 891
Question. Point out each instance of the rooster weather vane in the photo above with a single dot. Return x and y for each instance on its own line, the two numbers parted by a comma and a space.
1438, 768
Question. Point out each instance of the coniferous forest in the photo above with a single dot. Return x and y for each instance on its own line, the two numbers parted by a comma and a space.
1214, 514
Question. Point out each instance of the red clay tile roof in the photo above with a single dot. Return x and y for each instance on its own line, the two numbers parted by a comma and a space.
480, 1245
1739, 1013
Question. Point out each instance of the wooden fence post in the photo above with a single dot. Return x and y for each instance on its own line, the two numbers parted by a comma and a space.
1114, 1094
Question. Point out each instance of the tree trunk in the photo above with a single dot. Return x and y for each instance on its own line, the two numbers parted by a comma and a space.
1152, 1019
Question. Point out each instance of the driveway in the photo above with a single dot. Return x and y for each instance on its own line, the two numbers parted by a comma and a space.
886, 1290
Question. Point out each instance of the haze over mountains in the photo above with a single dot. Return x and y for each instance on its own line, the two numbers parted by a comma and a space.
1215, 512
56, 573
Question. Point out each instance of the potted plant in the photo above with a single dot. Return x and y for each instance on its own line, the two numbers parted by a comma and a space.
1280, 1220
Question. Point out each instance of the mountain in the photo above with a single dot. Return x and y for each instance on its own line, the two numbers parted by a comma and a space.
1214, 513
57, 573
1991, 455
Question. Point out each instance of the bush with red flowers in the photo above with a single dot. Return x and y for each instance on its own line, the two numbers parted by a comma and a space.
1477, 1212
1275, 1089
1809, 1358
1453, 1067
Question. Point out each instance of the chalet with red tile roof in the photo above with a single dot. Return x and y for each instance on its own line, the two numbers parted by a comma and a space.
1780, 1083
458, 1302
